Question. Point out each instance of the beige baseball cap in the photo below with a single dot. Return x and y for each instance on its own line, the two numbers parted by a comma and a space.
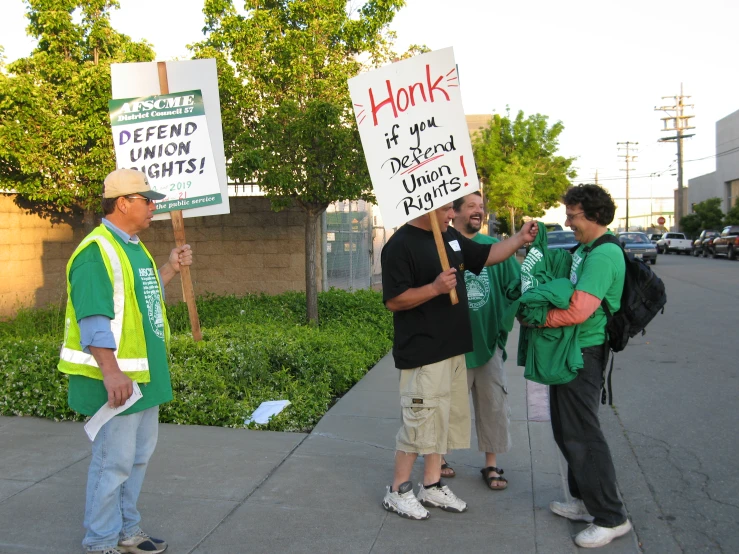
123, 182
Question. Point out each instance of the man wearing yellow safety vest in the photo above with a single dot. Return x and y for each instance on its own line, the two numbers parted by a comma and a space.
116, 333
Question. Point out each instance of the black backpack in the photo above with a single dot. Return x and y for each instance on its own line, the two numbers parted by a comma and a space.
643, 297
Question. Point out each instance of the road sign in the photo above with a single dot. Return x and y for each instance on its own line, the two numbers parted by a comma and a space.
661, 220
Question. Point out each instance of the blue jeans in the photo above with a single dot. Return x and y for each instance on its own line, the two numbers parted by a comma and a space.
120, 454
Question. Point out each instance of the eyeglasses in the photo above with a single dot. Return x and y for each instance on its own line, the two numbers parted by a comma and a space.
570, 217
147, 200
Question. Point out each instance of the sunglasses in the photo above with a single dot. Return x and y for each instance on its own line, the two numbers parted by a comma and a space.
147, 200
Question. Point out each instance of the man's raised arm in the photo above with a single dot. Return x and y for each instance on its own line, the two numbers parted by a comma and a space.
503, 250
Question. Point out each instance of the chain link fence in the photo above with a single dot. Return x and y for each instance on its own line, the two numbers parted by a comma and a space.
353, 237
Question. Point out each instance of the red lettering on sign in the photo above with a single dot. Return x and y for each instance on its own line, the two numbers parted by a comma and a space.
406, 97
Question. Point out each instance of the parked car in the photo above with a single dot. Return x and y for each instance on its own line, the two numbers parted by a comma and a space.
654, 237
727, 243
639, 245
561, 239
674, 242
708, 246
553, 227
698, 244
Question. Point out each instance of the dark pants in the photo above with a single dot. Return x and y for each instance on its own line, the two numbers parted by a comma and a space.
574, 411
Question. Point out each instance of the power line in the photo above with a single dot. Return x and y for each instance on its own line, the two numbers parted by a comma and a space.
645, 176
718, 155
661, 172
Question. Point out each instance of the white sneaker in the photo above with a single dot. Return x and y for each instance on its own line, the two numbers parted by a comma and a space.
404, 503
595, 536
574, 510
441, 497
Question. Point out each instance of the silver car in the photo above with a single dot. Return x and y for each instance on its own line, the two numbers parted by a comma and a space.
561, 239
639, 245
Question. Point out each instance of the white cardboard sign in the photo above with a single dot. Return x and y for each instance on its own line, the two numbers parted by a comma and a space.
414, 134
136, 80
166, 138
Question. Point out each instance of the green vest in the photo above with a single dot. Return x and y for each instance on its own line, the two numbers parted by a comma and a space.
126, 325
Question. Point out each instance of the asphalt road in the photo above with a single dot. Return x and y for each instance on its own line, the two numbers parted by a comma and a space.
674, 425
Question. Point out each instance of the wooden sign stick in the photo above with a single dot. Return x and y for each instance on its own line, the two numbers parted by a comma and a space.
442, 252
178, 224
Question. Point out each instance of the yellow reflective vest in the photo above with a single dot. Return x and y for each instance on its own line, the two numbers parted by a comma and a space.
127, 323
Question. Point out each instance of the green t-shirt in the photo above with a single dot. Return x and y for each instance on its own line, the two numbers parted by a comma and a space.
600, 273
487, 301
92, 294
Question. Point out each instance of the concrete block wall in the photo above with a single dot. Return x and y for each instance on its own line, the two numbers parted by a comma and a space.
250, 250
33, 257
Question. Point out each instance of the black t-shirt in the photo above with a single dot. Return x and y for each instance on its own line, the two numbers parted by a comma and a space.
435, 330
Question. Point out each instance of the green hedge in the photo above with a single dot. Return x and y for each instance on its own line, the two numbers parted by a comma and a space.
255, 348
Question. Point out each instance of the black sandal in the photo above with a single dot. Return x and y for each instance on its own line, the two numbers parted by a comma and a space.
490, 479
448, 468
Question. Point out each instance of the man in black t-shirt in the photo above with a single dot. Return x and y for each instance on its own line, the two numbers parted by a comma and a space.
431, 338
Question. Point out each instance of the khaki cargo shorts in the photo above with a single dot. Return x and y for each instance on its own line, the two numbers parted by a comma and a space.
435, 408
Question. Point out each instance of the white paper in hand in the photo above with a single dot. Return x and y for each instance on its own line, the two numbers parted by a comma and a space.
106, 413
266, 410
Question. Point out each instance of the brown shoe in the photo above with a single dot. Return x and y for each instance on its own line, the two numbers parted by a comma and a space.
141, 543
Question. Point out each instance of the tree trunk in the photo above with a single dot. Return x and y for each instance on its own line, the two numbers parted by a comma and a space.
311, 284
88, 221
513, 221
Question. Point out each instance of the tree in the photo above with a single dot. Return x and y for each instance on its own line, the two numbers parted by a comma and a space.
706, 215
691, 225
56, 146
709, 212
732, 216
288, 123
518, 166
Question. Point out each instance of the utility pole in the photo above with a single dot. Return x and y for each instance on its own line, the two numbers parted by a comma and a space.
628, 158
678, 123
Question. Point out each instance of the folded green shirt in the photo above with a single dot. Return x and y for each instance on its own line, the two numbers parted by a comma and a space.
551, 356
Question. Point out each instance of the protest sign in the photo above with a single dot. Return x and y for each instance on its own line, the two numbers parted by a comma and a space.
168, 124
166, 137
143, 79
414, 135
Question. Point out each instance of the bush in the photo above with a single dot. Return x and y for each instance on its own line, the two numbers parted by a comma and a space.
28, 323
255, 348
30, 383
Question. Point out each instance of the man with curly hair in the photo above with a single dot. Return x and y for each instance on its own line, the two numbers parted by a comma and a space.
598, 277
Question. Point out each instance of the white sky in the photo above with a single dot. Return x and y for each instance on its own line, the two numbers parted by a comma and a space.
598, 66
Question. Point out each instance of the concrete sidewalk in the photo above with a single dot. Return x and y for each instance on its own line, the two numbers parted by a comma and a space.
226, 491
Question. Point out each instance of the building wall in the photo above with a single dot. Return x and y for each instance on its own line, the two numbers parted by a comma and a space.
732, 189
476, 122
250, 250
702, 188
727, 155
724, 182
33, 257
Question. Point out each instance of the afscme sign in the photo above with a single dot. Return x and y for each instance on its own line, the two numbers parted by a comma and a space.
158, 104
176, 139
166, 138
